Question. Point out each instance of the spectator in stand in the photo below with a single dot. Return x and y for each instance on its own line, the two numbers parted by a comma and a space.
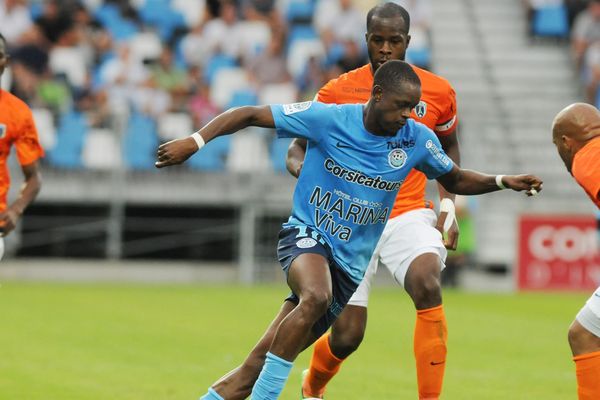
585, 37
270, 66
167, 77
15, 21
586, 31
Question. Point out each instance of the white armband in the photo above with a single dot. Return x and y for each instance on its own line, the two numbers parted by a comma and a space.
447, 206
198, 139
499, 181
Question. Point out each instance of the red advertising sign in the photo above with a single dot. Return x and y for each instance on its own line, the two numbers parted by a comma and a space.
558, 253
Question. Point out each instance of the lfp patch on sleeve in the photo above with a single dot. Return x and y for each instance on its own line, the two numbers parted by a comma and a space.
293, 108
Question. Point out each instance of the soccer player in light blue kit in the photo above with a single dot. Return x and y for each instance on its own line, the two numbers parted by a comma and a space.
354, 166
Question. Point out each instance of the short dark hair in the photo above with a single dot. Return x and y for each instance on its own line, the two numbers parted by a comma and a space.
393, 73
388, 10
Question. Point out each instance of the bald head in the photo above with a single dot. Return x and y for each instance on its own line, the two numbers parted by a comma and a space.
572, 128
579, 121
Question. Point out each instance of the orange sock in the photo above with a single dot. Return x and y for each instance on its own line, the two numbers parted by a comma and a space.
323, 366
430, 351
587, 367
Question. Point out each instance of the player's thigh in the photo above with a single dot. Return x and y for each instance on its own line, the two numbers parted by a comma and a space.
309, 277
411, 235
587, 340
1, 248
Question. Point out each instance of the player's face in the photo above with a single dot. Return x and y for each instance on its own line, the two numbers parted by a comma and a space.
386, 40
393, 107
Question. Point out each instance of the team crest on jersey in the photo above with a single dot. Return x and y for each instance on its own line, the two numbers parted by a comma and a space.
421, 109
397, 158
306, 243
2, 131
293, 108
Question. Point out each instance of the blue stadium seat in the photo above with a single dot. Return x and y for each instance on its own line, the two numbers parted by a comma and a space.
72, 129
300, 11
279, 148
140, 142
246, 97
213, 156
160, 14
215, 63
421, 57
120, 28
301, 32
551, 21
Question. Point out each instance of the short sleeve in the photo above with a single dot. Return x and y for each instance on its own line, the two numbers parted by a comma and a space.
27, 142
307, 120
433, 160
446, 123
586, 170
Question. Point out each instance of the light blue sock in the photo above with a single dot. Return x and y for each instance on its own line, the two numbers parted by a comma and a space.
271, 379
211, 395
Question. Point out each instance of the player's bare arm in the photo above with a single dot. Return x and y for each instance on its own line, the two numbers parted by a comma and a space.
468, 182
31, 187
231, 121
295, 156
451, 148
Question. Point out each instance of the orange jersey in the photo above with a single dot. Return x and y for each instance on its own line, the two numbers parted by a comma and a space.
436, 110
16, 128
586, 169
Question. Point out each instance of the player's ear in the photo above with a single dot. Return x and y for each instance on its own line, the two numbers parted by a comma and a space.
377, 92
408, 40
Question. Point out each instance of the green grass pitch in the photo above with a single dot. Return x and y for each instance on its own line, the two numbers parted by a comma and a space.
171, 342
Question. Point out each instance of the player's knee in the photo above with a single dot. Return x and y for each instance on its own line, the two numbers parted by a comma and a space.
345, 342
314, 303
427, 292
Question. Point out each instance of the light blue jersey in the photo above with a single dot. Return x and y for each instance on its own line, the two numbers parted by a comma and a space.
350, 177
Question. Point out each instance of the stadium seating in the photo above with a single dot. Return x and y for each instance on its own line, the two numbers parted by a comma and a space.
226, 82
213, 156
551, 20
101, 150
140, 142
44, 123
174, 126
72, 129
279, 148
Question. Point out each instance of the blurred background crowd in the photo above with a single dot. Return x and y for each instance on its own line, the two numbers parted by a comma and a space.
166, 67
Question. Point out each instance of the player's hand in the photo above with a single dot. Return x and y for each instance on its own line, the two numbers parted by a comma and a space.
175, 152
8, 221
530, 183
450, 237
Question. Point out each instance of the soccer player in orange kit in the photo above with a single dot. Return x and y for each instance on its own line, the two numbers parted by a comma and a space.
16, 128
576, 134
412, 246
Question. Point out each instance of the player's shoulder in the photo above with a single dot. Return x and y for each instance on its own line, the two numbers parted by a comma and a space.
431, 81
10, 100
360, 75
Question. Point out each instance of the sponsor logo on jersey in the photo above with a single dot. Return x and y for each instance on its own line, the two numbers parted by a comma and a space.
401, 144
2, 131
360, 178
306, 243
289, 109
421, 109
397, 158
342, 145
440, 156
